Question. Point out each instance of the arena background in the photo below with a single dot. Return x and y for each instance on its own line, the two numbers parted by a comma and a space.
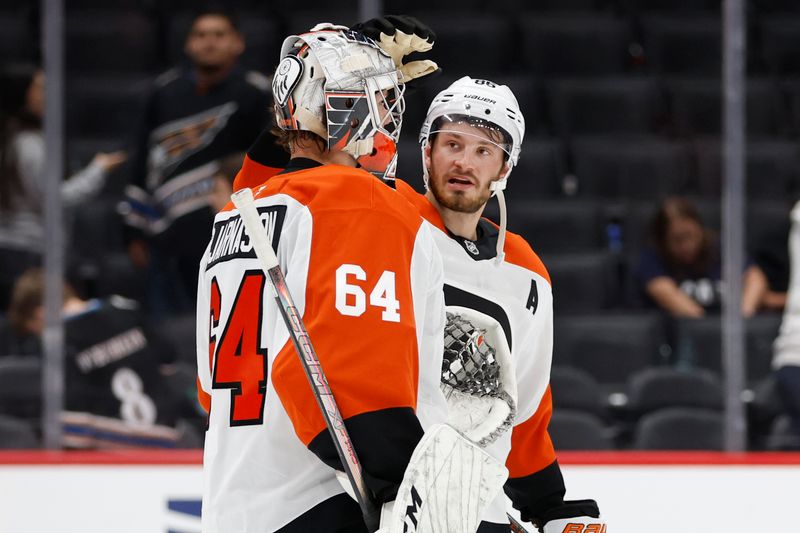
626, 102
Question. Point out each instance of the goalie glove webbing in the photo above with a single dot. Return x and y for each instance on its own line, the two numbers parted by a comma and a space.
472, 381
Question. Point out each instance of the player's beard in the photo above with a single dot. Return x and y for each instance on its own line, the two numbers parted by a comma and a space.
459, 201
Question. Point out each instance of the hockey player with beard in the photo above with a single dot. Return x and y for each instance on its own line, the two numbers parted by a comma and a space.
497, 289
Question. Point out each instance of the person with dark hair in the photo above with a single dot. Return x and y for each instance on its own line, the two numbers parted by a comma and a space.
22, 179
117, 393
194, 116
682, 272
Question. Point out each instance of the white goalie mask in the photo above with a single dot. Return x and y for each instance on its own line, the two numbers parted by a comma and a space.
486, 106
340, 85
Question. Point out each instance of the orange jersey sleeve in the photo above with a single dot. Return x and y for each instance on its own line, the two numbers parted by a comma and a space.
531, 447
252, 174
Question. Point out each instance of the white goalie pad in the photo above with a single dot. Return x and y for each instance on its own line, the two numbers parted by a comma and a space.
447, 486
478, 376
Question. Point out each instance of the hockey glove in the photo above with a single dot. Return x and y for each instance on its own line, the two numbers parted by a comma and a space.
577, 516
399, 36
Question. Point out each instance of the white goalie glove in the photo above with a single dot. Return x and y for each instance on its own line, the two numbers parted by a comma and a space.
478, 376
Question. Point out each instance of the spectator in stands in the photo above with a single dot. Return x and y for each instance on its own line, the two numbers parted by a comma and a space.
194, 116
682, 272
117, 370
223, 181
786, 356
19, 336
22, 179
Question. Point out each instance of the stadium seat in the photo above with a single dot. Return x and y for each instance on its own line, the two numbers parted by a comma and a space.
576, 389
111, 41
697, 107
582, 282
608, 105
571, 6
20, 387
540, 170
683, 44
578, 430
765, 219
301, 20
679, 6
780, 41
661, 387
17, 434
782, 436
418, 8
773, 168
103, 107
117, 275
680, 428
764, 407
610, 347
180, 332
636, 169
698, 343
16, 41
99, 228
490, 38
558, 226
570, 45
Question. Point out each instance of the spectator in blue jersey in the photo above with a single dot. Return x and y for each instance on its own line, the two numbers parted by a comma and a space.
681, 272
194, 116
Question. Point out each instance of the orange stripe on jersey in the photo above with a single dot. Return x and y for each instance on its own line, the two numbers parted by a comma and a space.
423, 205
203, 397
370, 360
252, 174
531, 447
518, 251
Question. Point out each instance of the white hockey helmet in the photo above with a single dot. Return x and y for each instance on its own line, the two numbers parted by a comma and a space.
340, 85
480, 103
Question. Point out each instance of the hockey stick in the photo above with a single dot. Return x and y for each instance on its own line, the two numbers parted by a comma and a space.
243, 200
516, 526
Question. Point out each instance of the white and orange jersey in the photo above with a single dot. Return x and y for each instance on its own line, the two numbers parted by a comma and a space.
517, 294
366, 276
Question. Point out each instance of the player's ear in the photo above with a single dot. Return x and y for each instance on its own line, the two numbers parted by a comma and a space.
427, 154
504, 170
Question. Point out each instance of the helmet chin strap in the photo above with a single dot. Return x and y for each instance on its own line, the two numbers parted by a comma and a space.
497, 190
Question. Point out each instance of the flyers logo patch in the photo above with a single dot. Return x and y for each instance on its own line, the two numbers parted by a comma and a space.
287, 76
